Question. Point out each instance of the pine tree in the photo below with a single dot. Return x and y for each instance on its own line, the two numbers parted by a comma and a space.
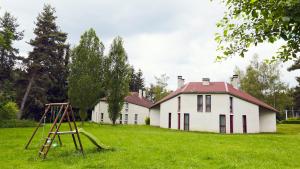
118, 77
8, 54
140, 80
46, 62
296, 93
86, 80
136, 80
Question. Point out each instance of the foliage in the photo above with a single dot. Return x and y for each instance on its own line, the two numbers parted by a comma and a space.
161, 148
262, 81
8, 110
13, 123
159, 90
291, 121
247, 23
86, 73
296, 92
147, 120
136, 81
46, 64
8, 54
117, 78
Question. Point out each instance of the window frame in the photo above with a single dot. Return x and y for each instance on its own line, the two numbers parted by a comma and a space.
200, 106
126, 119
135, 118
206, 104
231, 104
178, 104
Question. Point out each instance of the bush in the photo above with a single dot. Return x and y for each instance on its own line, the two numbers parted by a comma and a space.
291, 121
17, 123
147, 120
9, 111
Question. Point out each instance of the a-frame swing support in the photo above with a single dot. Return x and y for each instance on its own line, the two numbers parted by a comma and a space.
66, 113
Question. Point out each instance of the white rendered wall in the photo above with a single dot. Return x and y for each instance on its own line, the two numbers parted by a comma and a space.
209, 121
102, 107
267, 121
154, 117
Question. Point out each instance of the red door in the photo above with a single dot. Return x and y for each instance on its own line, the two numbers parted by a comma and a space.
178, 121
244, 124
231, 123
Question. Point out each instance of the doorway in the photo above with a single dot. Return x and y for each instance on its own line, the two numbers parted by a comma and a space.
222, 124
186, 121
244, 124
231, 123
170, 118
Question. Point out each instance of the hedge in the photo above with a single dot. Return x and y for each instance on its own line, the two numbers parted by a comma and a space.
290, 122
17, 123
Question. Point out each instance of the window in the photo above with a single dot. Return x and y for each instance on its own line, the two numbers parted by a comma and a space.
179, 102
120, 118
102, 117
126, 119
135, 118
208, 103
126, 106
231, 104
199, 103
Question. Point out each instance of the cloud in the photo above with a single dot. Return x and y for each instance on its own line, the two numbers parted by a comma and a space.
172, 36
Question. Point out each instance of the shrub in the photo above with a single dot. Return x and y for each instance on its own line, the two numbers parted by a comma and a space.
17, 123
290, 122
9, 110
147, 120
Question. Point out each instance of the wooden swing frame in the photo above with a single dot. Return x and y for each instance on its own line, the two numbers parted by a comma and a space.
66, 113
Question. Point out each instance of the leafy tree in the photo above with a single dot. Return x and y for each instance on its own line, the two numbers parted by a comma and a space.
262, 81
118, 77
86, 73
159, 90
247, 23
46, 63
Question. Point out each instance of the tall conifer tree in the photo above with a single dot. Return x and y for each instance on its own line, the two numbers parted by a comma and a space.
117, 76
46, 63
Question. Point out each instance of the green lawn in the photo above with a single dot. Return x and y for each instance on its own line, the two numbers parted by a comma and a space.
151, 147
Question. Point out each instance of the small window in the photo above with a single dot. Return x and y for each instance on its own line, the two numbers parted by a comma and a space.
126, 106
102, 115
126, 119
199, 103
179, 102
135, 118
120, 119
208, 103
231, 104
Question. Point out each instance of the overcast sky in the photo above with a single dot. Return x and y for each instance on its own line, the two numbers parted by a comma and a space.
175, 37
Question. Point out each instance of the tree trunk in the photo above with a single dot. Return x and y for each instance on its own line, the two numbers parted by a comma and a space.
25, 97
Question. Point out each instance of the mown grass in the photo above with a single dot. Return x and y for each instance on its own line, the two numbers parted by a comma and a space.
151, 147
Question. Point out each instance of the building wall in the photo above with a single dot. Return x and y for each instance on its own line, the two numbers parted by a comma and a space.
267, 121
102, 107
154, 117
209, 121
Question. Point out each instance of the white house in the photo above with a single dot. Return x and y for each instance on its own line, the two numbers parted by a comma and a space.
135, 110
213, 107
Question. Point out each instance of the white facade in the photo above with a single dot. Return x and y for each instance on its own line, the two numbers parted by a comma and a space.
255, 120
130, 114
